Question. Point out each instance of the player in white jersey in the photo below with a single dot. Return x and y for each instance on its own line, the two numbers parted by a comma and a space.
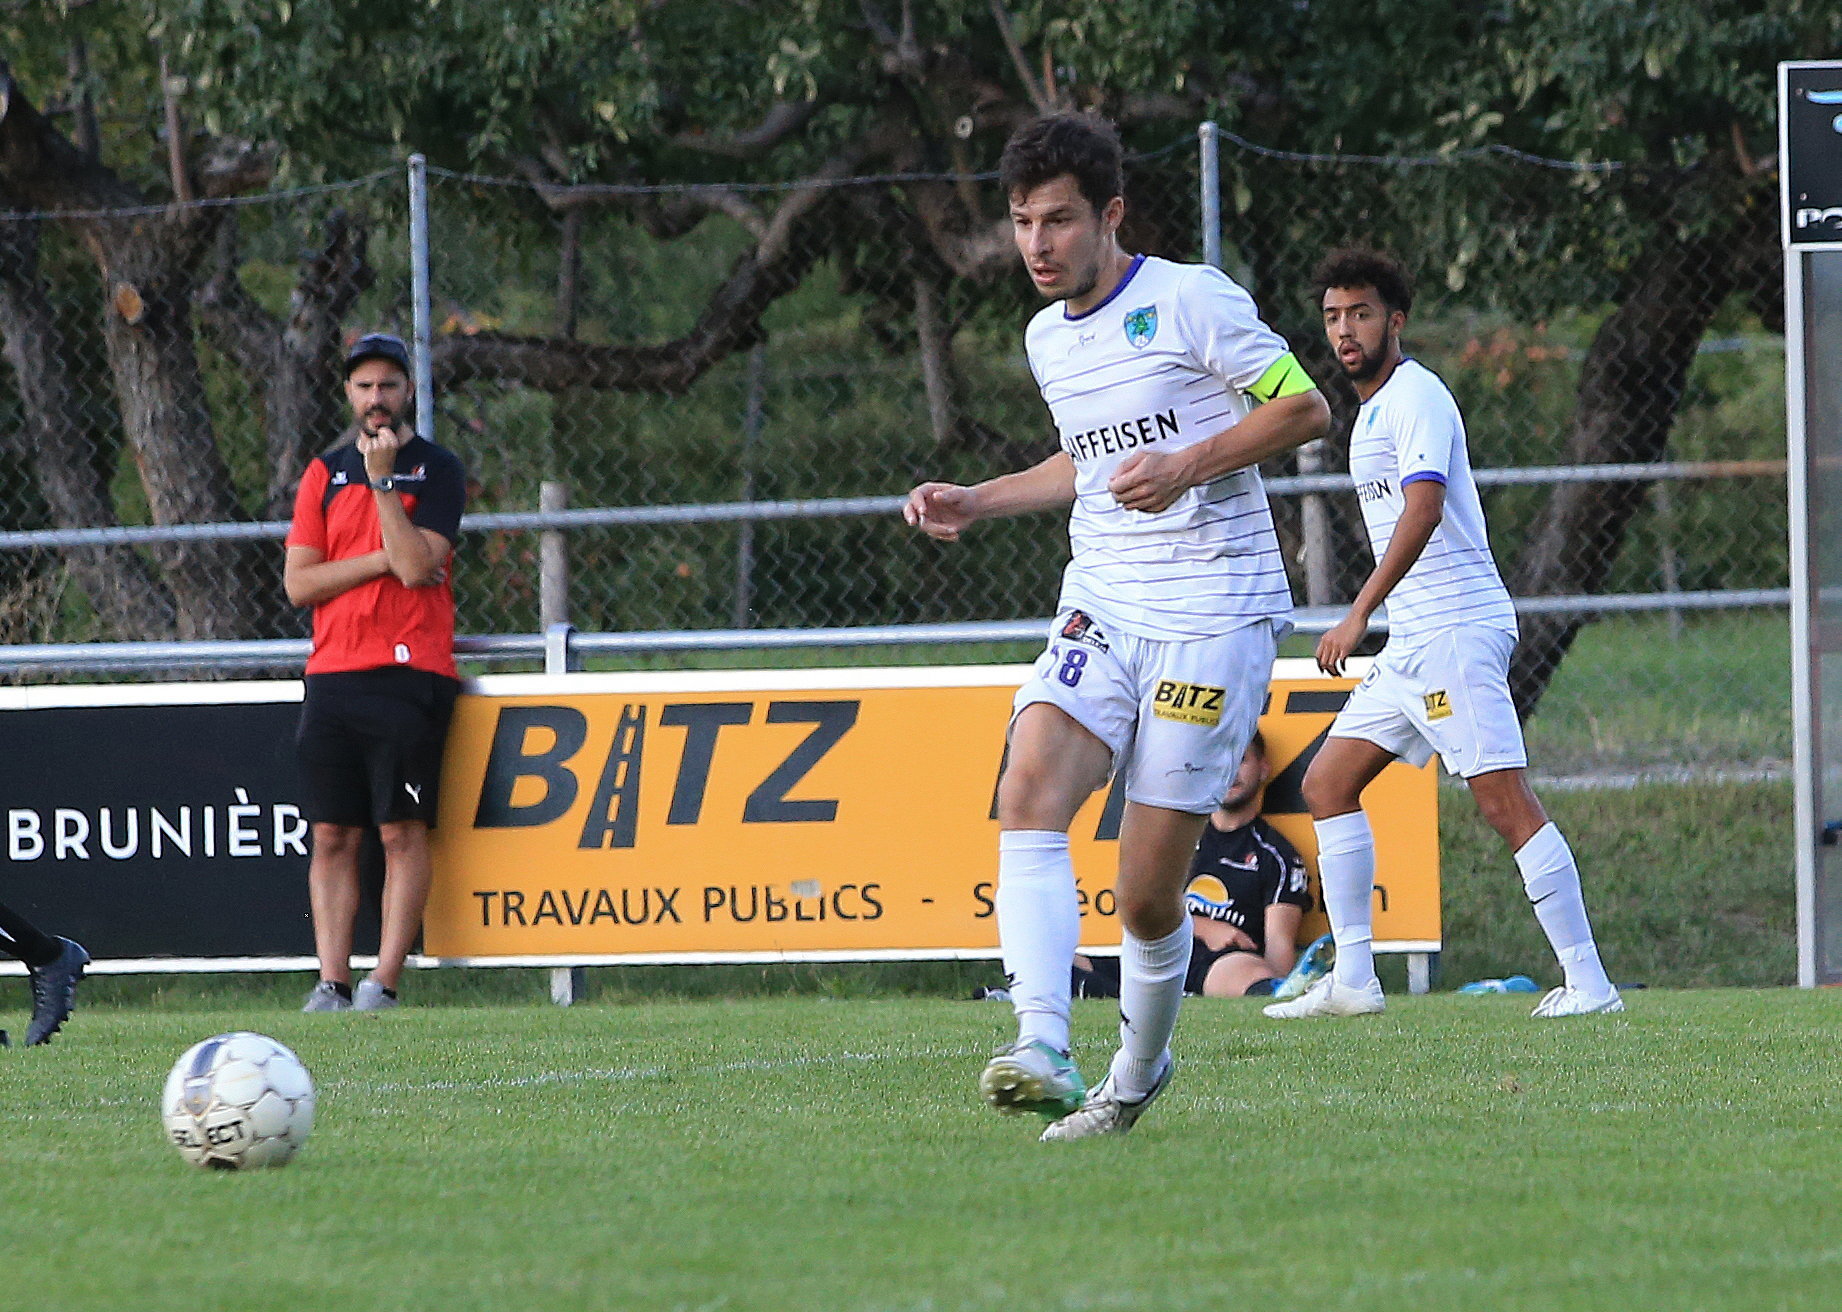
1160, 655
1442, 681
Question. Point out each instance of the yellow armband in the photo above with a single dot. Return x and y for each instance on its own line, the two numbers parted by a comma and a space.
1286, 377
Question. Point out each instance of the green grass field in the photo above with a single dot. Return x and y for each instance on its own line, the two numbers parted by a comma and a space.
807, 1137
817, 1154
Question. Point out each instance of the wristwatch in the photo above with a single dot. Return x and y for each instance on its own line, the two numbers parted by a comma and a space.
388, 483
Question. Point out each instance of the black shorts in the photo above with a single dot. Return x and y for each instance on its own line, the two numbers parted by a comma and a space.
1103, 980
370, 745
1202, 961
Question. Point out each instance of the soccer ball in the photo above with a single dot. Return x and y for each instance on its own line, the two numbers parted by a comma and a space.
238, 1100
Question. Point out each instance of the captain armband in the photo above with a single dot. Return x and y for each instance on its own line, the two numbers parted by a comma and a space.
1284, 377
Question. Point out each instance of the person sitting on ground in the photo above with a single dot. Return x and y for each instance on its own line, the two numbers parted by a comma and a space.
1246, 896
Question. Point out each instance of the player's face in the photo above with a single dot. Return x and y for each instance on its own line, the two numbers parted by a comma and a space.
1361, 330
379, 394
1065, 242
1247, 781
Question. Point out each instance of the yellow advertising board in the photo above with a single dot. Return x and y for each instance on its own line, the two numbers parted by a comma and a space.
802, 814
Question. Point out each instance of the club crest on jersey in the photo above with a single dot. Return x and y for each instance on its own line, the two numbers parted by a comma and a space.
1141, 325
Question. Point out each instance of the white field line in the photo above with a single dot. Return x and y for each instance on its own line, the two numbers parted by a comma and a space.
1619, 780
623, 1074
540, 1079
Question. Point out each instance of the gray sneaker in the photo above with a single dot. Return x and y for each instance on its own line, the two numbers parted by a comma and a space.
1105, 1112
327, 997
370, 996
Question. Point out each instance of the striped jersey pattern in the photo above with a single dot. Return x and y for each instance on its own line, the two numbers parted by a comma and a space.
1411, 430
1162, 364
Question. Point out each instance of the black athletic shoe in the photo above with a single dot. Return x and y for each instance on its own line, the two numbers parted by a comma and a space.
54, 992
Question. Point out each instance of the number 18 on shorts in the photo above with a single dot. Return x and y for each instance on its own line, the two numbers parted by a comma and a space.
1179, 715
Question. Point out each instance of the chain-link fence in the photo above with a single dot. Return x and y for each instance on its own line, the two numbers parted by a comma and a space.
845, 337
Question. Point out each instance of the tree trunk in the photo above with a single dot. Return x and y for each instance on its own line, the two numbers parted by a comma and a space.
148, 265
61, 440
295, 361
149, 260
1630, 387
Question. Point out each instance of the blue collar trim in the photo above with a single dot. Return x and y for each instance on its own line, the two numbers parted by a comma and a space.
1117, 289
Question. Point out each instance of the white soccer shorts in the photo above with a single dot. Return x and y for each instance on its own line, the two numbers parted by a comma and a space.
1179, 715
1449, 694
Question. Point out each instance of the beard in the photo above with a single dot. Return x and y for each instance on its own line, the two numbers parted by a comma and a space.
1084, 281
1238, 796
1083, 285
375, 418
1367, 366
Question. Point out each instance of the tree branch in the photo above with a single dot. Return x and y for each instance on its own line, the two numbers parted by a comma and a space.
731, 319
1039, 96
782, 120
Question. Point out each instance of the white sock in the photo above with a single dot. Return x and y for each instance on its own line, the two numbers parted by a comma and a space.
1552, 881
1150, 991
1346, 874
1039, 928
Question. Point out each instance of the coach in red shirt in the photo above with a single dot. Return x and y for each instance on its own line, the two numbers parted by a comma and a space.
375, 523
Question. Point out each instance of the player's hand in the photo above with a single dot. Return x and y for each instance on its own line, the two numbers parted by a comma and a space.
1239, 940
1149, 481
941, 510
1335, 646
379, 447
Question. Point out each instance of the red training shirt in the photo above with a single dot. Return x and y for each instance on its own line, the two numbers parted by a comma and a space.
381, 623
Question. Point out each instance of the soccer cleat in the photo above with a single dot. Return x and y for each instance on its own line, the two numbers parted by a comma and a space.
370, 996
1032, 1077
1312, 965
1105, 1112
1329, 998
54, 991
327, 997
1565, 1001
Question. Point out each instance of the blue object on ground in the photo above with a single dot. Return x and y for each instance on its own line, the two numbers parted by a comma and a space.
1514, 984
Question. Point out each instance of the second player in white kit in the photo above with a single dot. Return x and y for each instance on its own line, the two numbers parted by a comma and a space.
1166, 390
1441, 684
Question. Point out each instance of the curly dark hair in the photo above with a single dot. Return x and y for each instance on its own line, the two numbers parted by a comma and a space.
1084, 146
1358, 266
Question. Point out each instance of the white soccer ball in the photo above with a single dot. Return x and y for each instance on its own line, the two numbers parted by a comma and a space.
238, 1100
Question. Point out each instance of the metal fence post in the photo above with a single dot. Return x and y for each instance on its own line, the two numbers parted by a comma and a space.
419, 295
552, 559
1663, 502
567, 983
752, 416
1208, 138
1314, 525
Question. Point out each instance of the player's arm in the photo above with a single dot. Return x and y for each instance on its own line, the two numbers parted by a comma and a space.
1291, 413
1282, 920
417, 556
1425, 507
310, 579
945, 510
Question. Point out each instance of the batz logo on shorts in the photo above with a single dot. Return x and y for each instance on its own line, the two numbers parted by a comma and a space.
1188, 703
1437, 705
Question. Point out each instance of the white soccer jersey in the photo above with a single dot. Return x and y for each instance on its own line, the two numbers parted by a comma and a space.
1162, 364
1408, 431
